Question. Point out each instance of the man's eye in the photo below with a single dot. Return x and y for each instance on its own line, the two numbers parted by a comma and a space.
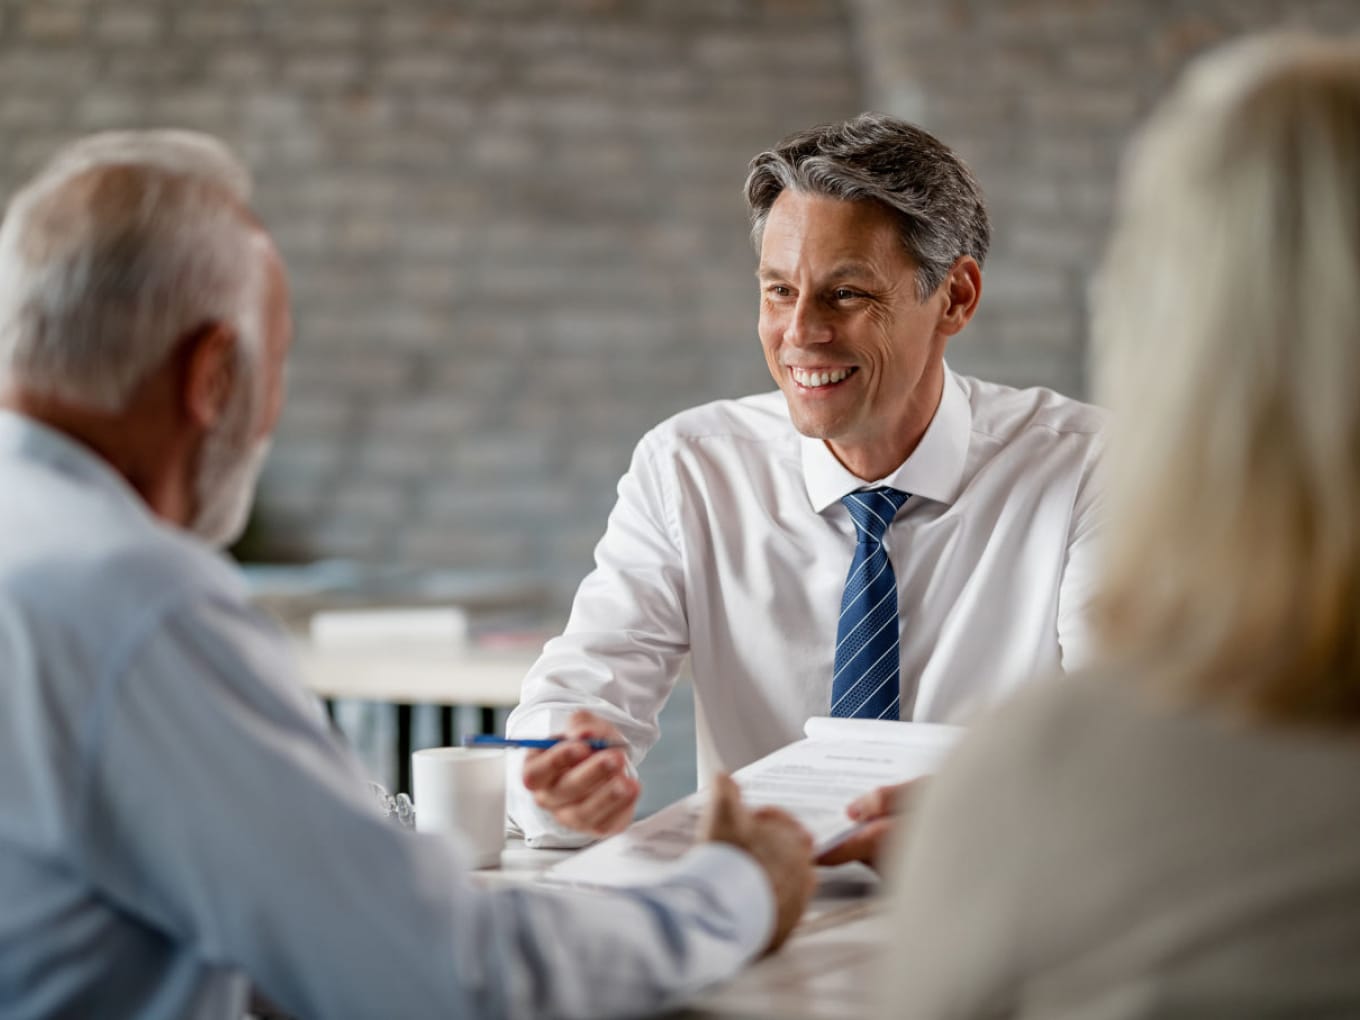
844, 294
777, 290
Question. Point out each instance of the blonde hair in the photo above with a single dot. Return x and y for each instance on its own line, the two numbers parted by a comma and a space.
1228, 343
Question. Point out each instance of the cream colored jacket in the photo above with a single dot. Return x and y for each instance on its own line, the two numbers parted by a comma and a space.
1086, 855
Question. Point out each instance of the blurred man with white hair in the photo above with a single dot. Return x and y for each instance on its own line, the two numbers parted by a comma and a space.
176, 818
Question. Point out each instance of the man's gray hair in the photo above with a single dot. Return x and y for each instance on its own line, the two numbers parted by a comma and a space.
932, 194
123, 244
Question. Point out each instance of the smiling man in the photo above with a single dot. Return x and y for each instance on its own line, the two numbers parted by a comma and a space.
881, 538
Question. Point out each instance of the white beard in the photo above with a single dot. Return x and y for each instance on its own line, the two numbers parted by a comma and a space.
226, 500
225, 486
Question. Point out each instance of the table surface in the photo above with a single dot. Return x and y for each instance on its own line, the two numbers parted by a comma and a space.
823, 972
417, 674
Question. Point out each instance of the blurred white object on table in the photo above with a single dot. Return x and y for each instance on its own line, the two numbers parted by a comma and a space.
434, 626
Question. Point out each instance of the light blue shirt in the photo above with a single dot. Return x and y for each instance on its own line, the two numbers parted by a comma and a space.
176, 817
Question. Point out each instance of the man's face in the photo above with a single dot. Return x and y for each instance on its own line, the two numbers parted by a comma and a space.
234, 452
858, 357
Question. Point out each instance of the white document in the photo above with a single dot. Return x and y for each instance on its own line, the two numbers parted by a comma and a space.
814, 779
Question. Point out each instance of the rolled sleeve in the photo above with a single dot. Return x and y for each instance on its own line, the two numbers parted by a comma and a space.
624, 644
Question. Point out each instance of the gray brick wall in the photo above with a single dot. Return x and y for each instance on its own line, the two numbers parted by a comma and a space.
1040, 97
515, 227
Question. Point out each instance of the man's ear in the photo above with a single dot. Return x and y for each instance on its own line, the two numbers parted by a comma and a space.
962, 290
209, 373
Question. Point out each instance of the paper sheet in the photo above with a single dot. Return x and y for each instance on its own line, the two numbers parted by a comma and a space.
813, 779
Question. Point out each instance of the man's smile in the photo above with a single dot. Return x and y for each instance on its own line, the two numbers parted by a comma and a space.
820, 378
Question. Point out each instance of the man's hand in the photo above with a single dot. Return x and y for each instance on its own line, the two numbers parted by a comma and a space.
879, 812
588, 791
778, 843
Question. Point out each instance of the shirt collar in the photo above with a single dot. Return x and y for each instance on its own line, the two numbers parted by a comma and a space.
31, 440
933, 471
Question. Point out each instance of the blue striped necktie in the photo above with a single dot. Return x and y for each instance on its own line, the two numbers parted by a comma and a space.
865, 684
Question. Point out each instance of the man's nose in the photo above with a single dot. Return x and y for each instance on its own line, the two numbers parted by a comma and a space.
808, 325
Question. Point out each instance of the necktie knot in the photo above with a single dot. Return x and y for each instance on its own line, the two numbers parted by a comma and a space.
873, 510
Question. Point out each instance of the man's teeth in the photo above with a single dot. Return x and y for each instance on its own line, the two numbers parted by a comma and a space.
813, 379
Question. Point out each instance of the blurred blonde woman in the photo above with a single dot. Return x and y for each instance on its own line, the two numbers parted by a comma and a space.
1178, 833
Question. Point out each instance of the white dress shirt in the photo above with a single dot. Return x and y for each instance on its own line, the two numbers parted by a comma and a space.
176, 815
729, 543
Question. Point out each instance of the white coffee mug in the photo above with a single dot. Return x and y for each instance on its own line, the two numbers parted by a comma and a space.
461, 790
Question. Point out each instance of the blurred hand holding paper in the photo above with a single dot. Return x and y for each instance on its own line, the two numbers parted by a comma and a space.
813, 779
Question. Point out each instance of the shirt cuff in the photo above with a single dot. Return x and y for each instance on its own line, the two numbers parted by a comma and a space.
541, 831
738, 882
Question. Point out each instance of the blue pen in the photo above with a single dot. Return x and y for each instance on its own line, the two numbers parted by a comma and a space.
487, 740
